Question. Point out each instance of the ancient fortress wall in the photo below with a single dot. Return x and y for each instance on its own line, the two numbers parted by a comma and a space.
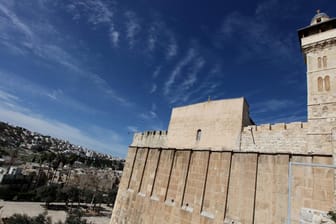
275, 138
213, 166
153, 139
204, 186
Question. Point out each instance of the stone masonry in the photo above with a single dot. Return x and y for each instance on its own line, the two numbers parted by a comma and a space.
214, 165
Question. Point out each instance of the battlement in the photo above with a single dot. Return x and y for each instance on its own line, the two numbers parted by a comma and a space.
152, 139
276, 138
276, 127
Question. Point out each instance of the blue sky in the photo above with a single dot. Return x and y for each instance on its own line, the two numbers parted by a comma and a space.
94, 71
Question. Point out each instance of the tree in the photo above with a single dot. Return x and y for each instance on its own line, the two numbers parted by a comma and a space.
76, 217
24, 219
47, 193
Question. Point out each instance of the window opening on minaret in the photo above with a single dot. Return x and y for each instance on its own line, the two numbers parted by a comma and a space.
324, 61
198, 134
327, 83
319, 62
320, 84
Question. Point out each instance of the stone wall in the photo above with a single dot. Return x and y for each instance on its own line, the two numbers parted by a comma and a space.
267, 138
219, 121
204, 186
154, 139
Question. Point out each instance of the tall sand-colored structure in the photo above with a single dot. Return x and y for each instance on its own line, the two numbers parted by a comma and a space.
213, 165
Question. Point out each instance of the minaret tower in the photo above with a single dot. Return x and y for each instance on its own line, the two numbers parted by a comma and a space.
318, 43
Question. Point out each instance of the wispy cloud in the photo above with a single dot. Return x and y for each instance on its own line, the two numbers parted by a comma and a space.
36, 40
172, 48
152, 37
132, 27
105, 86
156, 72
184, 76
16, 22
132, 129
7, 96
17, 115
26, 87
54, 95
151, 114
95, 11
114, 36
177, 70
154, 88
256, 34
192, 76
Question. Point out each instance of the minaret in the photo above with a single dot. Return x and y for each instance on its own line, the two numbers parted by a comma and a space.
318, 44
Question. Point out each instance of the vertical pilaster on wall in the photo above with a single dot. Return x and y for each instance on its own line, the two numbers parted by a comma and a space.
143, 170
333, 143
205, 181
242, 188
169, 177
155, 173
186, 178
255, 189
130, 177
227, 187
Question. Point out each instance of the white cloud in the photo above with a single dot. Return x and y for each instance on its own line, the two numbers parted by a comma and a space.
172, 48
114, 37
153, 89
96, 11
150, 115
36, 39
256, 34
152, 37
16, 22
24, 117
7, 96
132, 27
21, 85
177, 70
54, 95
156, 72
132, 129
192, 77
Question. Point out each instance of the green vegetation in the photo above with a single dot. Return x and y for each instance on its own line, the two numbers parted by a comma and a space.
332, 215
53, 170
70, 195
75, 217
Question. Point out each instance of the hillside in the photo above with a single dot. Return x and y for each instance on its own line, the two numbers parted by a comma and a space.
19, 145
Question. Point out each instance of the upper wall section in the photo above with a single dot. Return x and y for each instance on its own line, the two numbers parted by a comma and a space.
212, 124
151, 139
277, 138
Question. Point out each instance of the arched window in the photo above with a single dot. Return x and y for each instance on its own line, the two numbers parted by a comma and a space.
319, 62
320, 84
198, 134
324, 61
327, 83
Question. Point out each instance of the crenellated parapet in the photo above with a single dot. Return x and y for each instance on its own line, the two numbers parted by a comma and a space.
151, 139
276, 127
275, 138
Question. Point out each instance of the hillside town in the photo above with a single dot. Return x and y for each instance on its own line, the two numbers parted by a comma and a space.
36, 167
